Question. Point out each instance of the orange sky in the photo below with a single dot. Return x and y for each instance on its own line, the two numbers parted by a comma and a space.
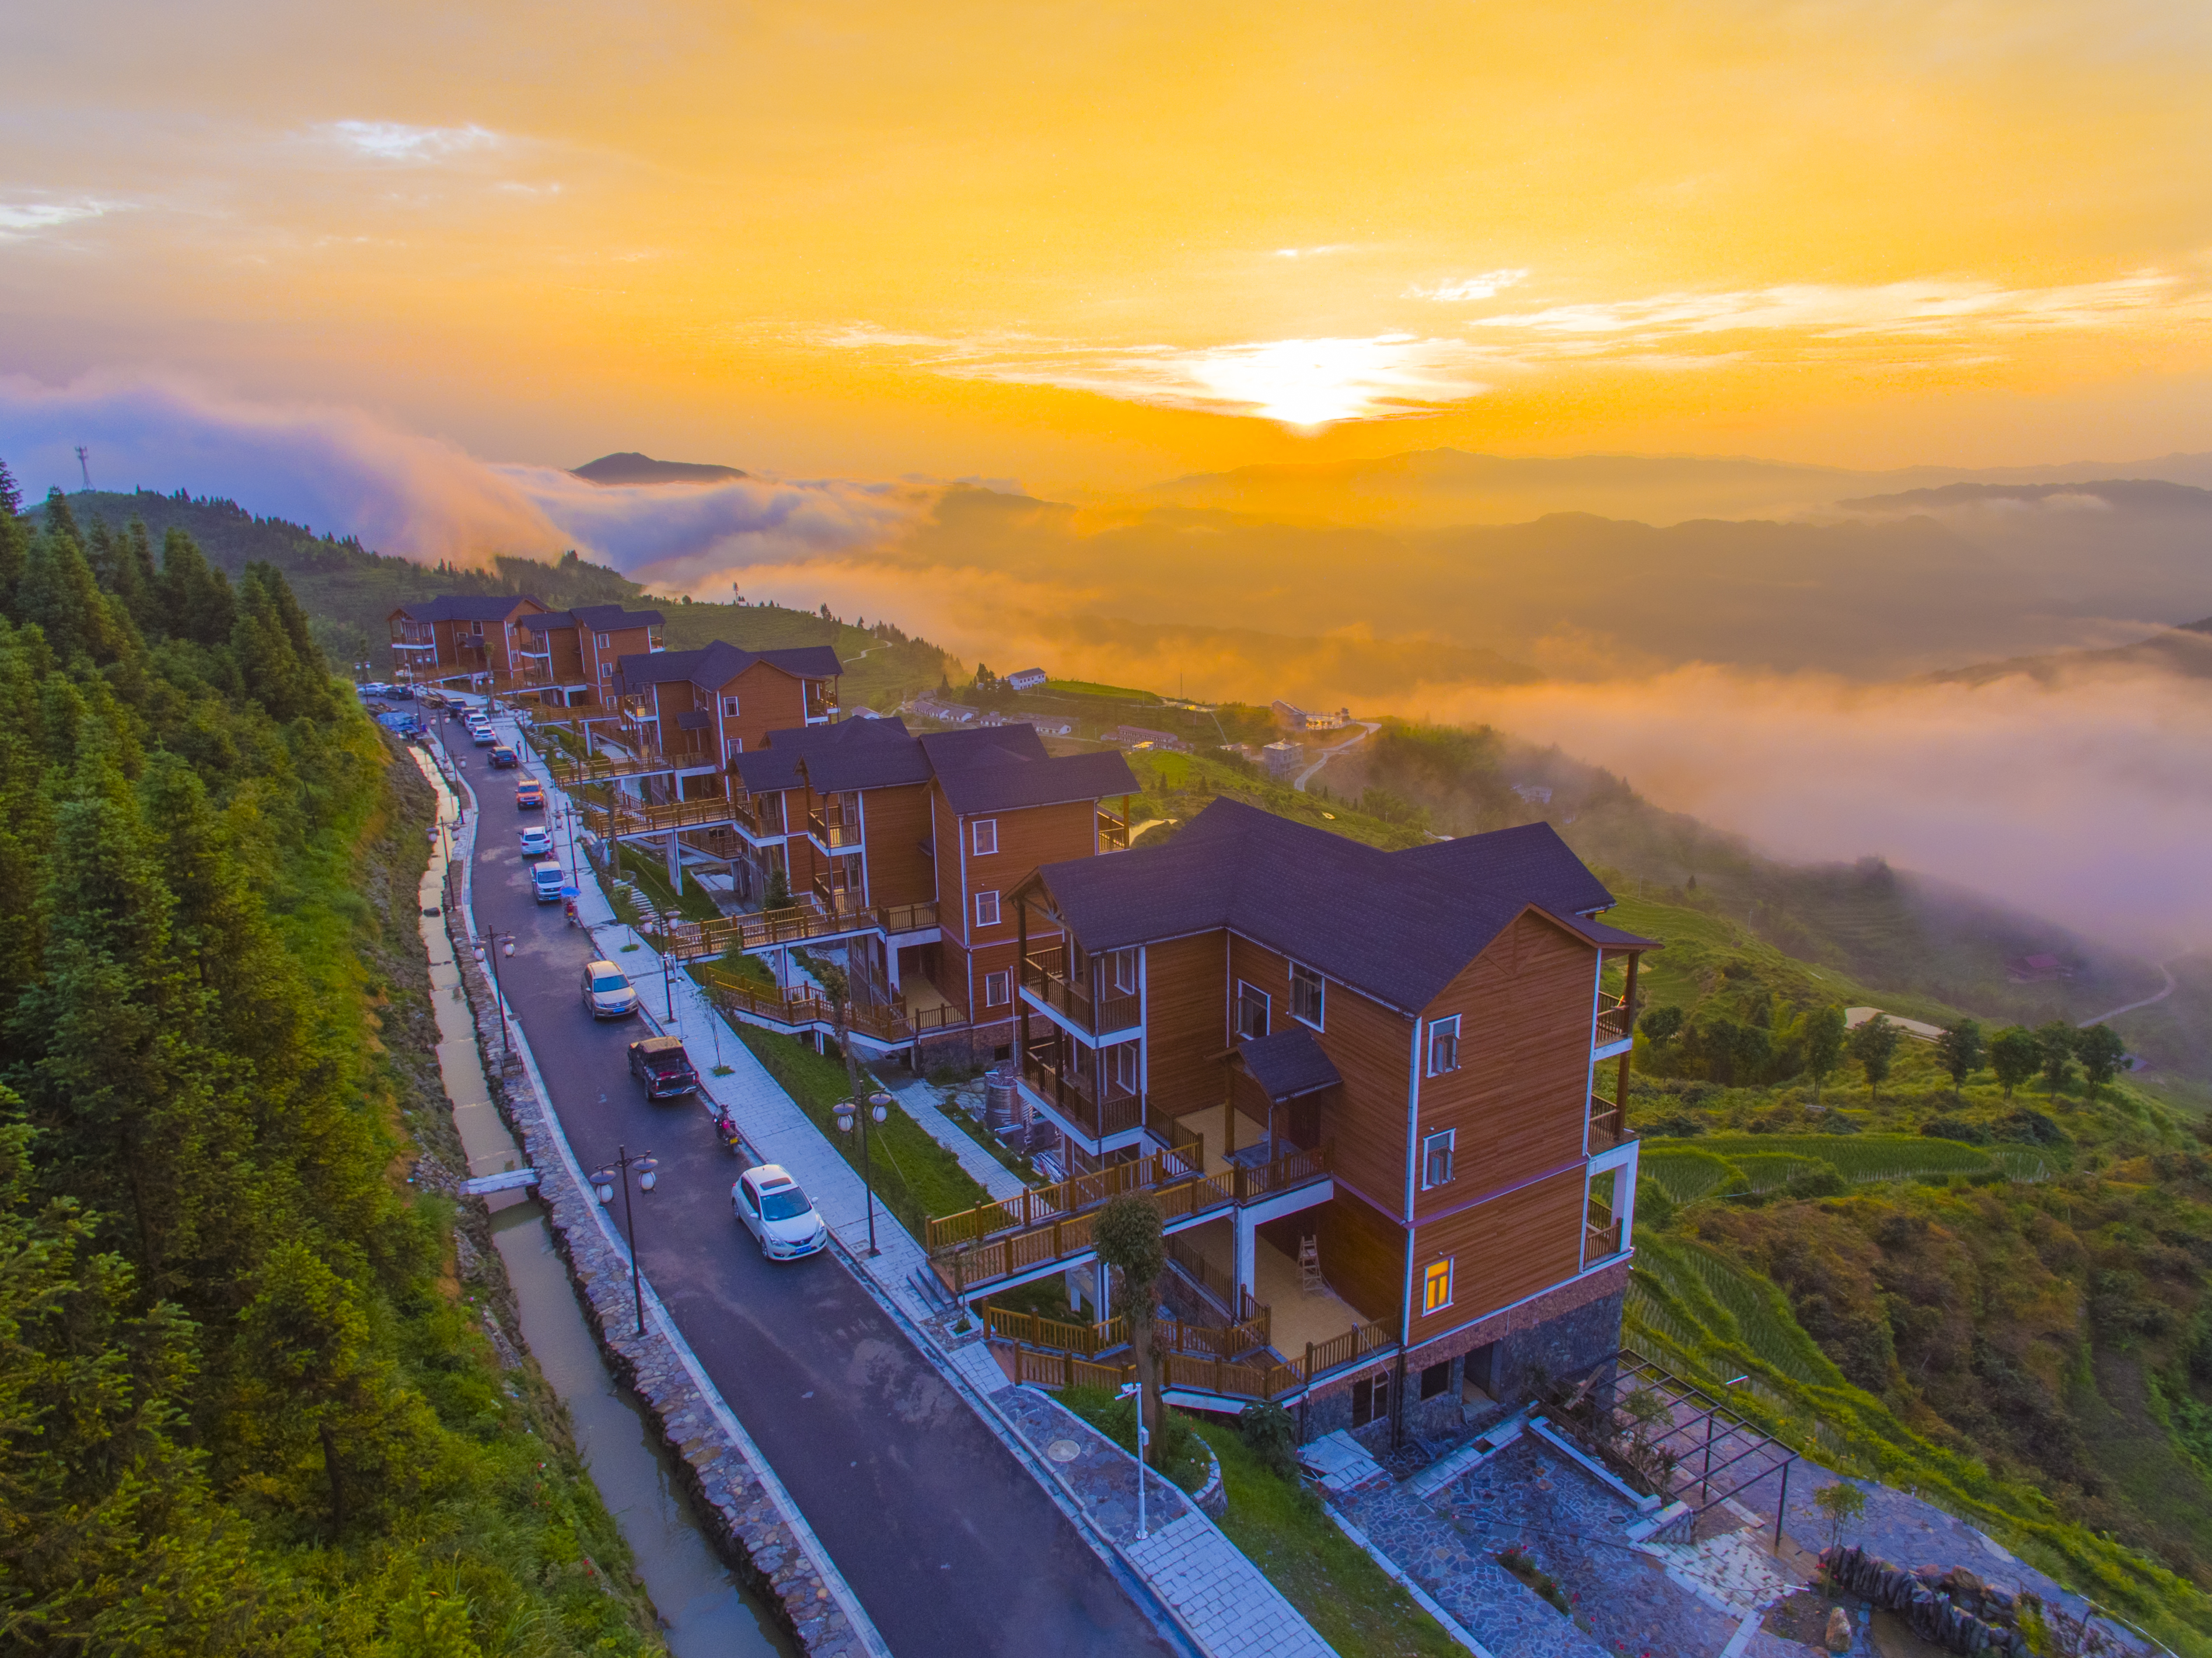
1093, 245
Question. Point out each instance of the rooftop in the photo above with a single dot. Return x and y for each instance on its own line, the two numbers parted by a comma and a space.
993, 768
599, 618
467, 608
714, 666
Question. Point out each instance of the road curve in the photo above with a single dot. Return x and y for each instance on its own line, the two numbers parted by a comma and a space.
951, 1545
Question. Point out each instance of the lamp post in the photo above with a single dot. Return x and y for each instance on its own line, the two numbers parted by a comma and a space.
603, 1184
879, 1107
1131, 1390
503, 944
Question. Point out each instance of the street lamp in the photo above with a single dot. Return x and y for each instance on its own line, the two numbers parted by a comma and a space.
879, 1108
603, 1185
505, 941
1133, 1390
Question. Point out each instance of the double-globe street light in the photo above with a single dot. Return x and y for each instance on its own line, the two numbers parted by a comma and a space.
879, 1107
603, 1185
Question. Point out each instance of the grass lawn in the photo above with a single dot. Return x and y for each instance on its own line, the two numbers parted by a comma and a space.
1344, 1595
652, 875
914, 1177
1090, 688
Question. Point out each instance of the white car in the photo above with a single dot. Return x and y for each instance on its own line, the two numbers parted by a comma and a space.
769, 1203
537, 841
483, 735
607, 991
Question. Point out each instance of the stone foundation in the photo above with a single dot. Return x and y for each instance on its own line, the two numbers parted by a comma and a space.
734, 1509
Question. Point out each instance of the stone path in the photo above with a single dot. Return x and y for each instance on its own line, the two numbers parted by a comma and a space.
1219, 1596
918, 1098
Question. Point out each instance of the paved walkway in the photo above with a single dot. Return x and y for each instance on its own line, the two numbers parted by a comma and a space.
1216, 1591
919, 1098
1219, 1596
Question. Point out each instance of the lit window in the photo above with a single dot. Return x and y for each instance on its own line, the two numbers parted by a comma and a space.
1437, 1157
1436, 1286
1252, 1007
1443, 1045
987, 909
1305, 995
729, 708
987, 837
996, 990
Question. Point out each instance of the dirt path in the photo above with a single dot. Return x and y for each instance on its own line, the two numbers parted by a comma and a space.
2147, 1001
1367, 729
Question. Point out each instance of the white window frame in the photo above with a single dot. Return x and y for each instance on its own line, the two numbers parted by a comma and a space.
1429, 1308
732, 748
729, 708
602, 641
607, 670
1119, 960
1320, 995
1446, 1029
987, 909
1443, 1140
1124, 1059
1266, 1010
998, 988
985, 837
476, 629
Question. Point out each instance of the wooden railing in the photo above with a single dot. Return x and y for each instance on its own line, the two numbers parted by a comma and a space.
1608, 1126
1218, 1370
965, 1265
615, 820
1038, 1205
800, 1009
1045, 976
770, 928
832, 832
1074, 1093
1170, 1335
1613, 1024
603, 767
1294, 1169
1113, 832
1601, 1234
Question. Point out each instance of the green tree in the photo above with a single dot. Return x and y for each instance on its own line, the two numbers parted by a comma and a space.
1842, 1502
1874, 1047
1824, 1045
2055, 1044
2101, 1052
1129, 1240
1960, 1050
2016, 1055
1660, 1024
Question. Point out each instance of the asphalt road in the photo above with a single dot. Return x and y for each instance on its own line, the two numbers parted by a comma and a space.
950, 1543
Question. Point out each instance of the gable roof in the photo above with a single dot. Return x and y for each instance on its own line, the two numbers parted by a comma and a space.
850, 754
988, 782
1288, 1064
714, 666
1398, 926
465, 608
994, 770
599, 618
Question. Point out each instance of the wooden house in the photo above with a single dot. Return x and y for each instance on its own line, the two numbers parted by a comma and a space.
471, 640
575, 653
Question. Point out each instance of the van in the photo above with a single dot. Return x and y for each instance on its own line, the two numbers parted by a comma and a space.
546, 881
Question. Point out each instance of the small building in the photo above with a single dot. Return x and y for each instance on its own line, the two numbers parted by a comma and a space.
1029, 679
1291, 717
1138, 737
935, 708
1282, 759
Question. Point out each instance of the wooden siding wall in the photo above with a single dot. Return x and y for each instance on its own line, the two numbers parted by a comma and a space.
1027, 837
952, 909
898, 822
1370, 1047
768, 699
1186, 1017
1363, 1254
1502, 1251
564, 661
1520, 1096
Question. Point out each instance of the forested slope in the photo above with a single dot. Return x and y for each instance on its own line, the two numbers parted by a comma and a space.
246, 1402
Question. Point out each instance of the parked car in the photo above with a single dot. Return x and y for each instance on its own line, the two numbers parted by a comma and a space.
530, 796
661, 1065
546, 881
537, 842
608, 992
483, 735
770, 1205
504, 758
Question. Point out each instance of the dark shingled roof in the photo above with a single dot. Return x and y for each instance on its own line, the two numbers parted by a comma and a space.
850, 754
1005, 786
998, 768
1396, 925
715, 665
1288, 1064
465, 608
599, 619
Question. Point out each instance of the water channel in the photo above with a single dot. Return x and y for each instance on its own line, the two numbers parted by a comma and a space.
704, 1611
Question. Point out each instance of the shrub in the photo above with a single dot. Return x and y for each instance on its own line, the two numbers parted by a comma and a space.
1955, 1128
1270, 1435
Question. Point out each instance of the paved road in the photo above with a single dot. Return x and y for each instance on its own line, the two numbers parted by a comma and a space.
951, 1545
1367, 729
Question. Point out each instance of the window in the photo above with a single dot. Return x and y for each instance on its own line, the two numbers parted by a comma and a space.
1443, 1045
1305, 995
477, 629
729, 708
1436, 1158
1252, 1007
997, 989
1435, 1379
1436, 1286
602, 640
1125, 1066
987, 909
1122, 967
607, 670
1370, 1398
987, 837
732, 749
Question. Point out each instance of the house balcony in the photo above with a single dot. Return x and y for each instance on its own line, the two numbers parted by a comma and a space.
1090, 1106
758, 820
1613, 1031
1047, 986
1608, 1126
821, 703
833, 832
1601, 1234
1113, 832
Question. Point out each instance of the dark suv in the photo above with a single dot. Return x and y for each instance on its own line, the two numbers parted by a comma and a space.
661, 1065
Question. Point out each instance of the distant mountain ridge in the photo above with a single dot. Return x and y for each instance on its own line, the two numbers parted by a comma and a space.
628, 467
2153, 495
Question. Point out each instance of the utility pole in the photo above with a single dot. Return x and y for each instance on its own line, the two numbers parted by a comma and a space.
83, 466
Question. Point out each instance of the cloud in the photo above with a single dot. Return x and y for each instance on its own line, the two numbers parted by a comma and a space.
2089, 800
22, 218
1488, 283
1305, 383
394, 141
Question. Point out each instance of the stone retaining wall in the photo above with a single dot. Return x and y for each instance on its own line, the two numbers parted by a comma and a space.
734, 1509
